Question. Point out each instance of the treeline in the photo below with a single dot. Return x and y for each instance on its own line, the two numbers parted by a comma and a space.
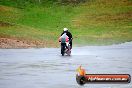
23, 3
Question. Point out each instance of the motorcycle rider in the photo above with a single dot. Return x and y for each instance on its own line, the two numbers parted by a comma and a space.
65, 30
63, 39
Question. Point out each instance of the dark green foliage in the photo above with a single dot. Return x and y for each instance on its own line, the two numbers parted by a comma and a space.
17, 3
24, 3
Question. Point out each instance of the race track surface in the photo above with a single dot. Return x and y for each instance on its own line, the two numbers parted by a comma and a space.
46, 68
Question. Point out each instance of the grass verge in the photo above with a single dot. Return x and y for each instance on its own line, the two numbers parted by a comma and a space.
98, 22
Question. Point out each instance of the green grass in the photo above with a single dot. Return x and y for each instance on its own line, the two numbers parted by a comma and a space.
95, 22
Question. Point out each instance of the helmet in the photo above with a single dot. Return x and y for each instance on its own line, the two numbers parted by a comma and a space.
65, 29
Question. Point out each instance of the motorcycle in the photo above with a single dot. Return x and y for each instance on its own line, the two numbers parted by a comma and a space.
65, 46
65, 49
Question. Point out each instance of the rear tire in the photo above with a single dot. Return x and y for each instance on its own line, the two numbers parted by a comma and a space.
69, 50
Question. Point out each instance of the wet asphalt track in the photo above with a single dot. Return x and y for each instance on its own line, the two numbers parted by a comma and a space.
46, 68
